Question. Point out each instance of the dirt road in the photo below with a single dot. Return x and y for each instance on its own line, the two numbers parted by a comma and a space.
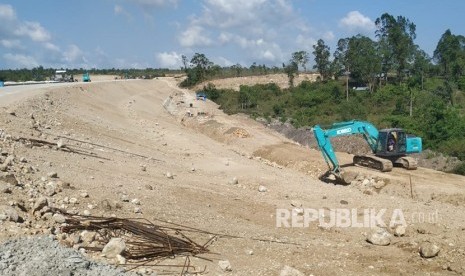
230, 175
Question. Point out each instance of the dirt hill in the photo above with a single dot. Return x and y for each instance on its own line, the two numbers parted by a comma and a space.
147, 149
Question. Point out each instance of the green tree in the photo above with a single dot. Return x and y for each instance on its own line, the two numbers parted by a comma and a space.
322, 54
201, 64
450, 54
301, 58
292, 70
396, 36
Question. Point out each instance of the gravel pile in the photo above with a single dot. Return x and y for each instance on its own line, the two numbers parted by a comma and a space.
42, 255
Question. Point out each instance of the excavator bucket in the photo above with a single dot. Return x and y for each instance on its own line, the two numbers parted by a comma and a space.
341, 177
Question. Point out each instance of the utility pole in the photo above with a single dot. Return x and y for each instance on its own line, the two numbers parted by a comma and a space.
347, 73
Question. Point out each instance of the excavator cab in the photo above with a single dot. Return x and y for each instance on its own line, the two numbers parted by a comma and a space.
391, 142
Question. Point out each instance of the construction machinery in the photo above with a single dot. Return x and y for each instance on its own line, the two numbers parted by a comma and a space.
86, 77
389, 147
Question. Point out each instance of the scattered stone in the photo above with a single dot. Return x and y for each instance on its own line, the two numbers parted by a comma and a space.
23, 160
40, 203
143, 168
114, 247
192, 169
60, 144
137, 210
52, 174
379, 184
225, 265
148, 187
5, 188
86, 213
169, 175
105, 204
88, 236
73, 200
9, 178
84, 194
290, 271
249, 252
399, 231
50, 188
366, 182
344, 202
379, 236
120, 259
262, 189
59, 218
124, 198
135, 201
233, 181
8, 213
429, 250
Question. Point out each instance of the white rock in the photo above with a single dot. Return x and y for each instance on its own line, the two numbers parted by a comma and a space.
225, 265
125, 198
50, 188
52, 174
429, 250
233, 181
262, 189
379, 236
73, 200
399, 231
40, 203
59, 218
135, 201
114, 247
86, 213
8, 213
366, 182
84, 195
137, 210
88, 236
169, 175
121, 260
290, 271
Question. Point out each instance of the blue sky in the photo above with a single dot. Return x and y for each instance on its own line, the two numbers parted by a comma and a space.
156, 33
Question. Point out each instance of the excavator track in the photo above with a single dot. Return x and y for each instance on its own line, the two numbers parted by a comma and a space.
374, 162
407, 162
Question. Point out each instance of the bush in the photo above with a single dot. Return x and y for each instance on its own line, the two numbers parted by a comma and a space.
460, 169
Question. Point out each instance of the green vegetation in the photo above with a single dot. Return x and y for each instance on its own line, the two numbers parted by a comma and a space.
434, 118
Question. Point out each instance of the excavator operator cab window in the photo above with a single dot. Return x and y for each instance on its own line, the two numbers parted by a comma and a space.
392, 141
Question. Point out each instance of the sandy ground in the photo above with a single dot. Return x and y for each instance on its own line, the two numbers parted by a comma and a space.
135, 132
280, 79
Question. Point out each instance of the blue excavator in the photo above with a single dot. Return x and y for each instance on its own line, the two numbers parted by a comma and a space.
389, 147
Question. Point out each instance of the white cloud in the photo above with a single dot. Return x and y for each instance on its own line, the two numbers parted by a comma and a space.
10, 43
119, 10
73, 54
21, 61
170, 60
7, 12
262, 30
52, 47
194, 36
328, 36
34, 31
355, 21
305, 42
154, 3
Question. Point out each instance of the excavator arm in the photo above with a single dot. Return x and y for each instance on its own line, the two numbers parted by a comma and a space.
368, 131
